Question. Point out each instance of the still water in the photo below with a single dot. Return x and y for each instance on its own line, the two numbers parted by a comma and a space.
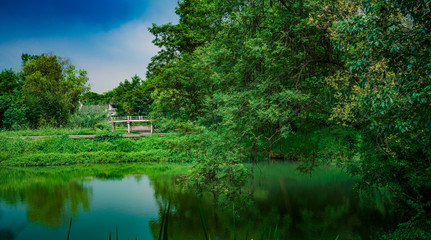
130, 200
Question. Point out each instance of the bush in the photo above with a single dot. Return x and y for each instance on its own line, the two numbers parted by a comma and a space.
89, 117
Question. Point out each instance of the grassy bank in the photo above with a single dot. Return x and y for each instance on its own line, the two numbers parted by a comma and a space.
62, 150
16, 149
50, 131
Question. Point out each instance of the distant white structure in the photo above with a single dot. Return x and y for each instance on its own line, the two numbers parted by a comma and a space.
112, 109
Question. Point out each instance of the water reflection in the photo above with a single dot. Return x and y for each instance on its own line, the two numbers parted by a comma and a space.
49, 199
105, 197
298, 207
9, 233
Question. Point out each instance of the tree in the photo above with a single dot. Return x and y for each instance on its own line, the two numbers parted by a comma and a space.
133, 98
257, 71
257, 75
92, 98
51, 89
387, 47
9, 81
12, 108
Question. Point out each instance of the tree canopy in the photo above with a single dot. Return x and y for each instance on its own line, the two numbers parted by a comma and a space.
256, 72
46, 92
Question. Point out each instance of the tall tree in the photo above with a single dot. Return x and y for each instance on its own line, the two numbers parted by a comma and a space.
257, 75
387, 46
259, 68
257, 71
51, 89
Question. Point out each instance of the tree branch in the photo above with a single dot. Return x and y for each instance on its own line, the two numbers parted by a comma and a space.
284, 4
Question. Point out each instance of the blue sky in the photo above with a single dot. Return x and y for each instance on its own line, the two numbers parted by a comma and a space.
108, 38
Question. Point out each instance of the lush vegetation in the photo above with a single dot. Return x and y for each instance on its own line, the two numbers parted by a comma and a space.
45, 93
254, 73
104, 148
342, 82
130, 98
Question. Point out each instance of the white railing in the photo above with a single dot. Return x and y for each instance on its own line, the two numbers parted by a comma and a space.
129, 118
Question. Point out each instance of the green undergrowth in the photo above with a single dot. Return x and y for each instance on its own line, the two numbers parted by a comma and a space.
50, 131
325, 146
107, 148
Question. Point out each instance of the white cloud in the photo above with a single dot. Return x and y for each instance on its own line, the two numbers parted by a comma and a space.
118, 55
109, 57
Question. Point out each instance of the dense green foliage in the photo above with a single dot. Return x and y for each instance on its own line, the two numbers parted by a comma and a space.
45, 93
104, 148
131, 98
89, 117
51, 87
342, 82
9, 81
388, 48
12, 108
247, 75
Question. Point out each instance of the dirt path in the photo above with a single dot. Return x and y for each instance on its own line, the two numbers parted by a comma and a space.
136, 135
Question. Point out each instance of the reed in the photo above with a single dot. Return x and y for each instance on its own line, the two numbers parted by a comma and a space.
70, 226
202, 219
163, 234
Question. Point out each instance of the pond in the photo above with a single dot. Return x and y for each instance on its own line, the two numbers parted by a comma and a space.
131, 200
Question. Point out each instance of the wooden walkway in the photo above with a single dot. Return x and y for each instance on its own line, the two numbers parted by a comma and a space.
129, 120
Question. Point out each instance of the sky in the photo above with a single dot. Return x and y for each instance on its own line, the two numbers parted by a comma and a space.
108, 38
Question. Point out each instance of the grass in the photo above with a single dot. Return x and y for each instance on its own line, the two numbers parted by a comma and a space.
50, 131
234, 232
325, 146
62, 150
70, 226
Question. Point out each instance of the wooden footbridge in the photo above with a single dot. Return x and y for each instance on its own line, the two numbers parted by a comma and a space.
129, 120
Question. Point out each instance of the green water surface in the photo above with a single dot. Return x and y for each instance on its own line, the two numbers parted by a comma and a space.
38, 203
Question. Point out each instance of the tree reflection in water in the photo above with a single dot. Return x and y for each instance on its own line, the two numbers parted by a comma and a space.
52, 195
285, 205
50, 199
288, 207
9, 233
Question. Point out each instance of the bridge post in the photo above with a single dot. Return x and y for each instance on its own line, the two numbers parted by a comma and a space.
152, 128
129, 126
113, 126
